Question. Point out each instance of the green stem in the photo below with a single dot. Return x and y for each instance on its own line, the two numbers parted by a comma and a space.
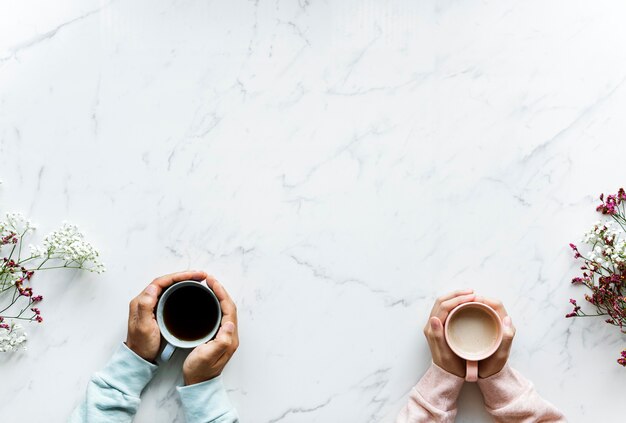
11, 254
618, 222
19, 250
30, 302
7, 288
20, 318
14, 297
25, 260
10, 305
41, 264
56, 267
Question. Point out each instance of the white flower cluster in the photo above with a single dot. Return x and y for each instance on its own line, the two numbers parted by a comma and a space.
69, 244
601, 231
12, 339
602, 253
17, 222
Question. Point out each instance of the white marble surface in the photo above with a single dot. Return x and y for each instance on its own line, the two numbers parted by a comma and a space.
337, 165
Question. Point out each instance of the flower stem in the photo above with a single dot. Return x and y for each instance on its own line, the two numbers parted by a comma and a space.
55, 267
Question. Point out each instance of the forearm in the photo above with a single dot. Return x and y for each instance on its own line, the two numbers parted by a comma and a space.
207, 402
511, 398
113, 393
433, 399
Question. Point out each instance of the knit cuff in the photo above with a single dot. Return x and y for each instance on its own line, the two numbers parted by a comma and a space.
502, 388
440, 388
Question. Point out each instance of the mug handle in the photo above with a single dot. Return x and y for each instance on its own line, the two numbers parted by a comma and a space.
471, 371
166, 354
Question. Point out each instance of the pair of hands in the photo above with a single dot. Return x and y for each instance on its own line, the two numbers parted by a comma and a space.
206, 361
441, 352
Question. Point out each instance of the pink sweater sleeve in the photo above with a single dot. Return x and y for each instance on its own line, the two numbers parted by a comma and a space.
433, 399
510, 398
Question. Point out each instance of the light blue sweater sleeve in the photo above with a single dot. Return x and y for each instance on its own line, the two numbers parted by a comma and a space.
207, 402
113, 394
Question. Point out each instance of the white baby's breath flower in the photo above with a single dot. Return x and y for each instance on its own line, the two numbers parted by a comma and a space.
68, 244
37, 251
18, 222
12, 339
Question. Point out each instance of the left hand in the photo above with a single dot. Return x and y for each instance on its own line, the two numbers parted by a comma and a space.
207, 361
496, 362
144, 336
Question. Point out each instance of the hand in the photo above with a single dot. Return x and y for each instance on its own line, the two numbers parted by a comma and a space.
144, 337
207, 361
492, 365
439, 349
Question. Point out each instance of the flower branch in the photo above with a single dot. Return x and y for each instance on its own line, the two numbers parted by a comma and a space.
604, 266
65, 248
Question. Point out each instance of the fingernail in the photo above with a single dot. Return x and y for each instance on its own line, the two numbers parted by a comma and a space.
151, 289
507, 321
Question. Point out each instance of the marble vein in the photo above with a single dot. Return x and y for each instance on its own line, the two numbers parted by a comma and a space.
48, 35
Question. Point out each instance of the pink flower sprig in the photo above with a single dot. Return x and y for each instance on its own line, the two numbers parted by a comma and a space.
15, 290
611, 205
604, 266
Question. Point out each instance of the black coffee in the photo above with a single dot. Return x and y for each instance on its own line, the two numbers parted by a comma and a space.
190, 313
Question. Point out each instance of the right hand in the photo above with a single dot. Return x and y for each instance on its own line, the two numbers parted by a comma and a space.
207, 361
144, 336
439, 349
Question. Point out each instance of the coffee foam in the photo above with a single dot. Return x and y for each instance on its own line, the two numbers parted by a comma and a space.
473, 331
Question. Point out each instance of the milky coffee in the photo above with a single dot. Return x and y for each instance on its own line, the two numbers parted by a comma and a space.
472, 330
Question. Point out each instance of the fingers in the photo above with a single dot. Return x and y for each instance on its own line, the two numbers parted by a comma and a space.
446, 307
143, 304
453, 294
509, 330
229, 309
218, 288
225, 336
190, 275
507, 340
494, 304
447, 297
224, 343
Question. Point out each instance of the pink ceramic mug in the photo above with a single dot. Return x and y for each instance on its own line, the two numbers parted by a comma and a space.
474, 332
